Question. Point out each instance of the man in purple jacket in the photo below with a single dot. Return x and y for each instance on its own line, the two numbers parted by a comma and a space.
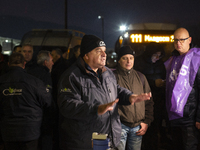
182, 92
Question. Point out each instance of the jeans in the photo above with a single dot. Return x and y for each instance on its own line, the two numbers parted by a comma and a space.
129, 135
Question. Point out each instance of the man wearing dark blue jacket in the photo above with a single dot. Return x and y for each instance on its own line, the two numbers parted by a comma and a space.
43, 72
88, 97
23, 99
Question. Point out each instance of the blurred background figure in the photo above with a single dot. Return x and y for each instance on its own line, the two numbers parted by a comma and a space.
43, 72
151, 65
17, 48
3, 62
73, 55
27, 51
43, 68
60, 65
24, 104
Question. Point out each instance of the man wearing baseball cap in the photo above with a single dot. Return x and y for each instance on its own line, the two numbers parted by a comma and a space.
87, 98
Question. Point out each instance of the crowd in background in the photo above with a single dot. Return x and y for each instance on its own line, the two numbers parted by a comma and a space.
145, 125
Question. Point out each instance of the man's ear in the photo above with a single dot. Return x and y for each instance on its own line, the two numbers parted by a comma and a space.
190, 39
45, 63
86, 56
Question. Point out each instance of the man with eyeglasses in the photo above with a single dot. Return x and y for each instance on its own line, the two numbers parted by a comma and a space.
182, 92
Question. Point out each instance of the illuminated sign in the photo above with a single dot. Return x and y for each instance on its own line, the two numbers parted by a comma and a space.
140, 38
136, 38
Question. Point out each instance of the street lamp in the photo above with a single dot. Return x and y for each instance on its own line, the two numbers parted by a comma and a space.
102, 19
122, 28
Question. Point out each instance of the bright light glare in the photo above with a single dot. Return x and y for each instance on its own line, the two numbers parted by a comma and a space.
126, 35
99, 17
6, 52
122, 28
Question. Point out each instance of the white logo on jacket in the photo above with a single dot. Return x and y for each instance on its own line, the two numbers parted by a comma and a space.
10, 91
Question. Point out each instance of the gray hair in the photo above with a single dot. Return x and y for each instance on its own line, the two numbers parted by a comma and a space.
42, 56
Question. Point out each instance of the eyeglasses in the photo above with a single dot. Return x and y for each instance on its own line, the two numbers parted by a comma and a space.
180, 40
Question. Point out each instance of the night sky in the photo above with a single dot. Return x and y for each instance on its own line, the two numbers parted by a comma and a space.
83, 15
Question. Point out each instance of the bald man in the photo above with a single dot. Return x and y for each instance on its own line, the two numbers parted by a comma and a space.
182, 92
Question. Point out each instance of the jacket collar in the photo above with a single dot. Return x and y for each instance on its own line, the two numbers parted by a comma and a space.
123, 71
17, 68
45, 68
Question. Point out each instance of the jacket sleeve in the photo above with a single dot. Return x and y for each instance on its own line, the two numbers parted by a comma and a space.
198, 100
123, 95
43, 94
148, 104
70, 103
48, 106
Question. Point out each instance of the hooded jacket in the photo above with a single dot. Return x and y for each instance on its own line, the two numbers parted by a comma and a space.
152, 71
80, 94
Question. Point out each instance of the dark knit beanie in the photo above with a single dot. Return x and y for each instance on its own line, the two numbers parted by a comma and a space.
125, 50
90, 42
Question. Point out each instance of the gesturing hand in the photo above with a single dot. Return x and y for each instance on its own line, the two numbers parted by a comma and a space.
138, 98
102, 109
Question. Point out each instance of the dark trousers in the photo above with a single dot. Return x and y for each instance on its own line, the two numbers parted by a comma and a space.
184, 138
29, 145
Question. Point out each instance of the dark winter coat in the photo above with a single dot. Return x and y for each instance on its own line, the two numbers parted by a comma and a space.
23, 99
80, 94
58, 68
42, 73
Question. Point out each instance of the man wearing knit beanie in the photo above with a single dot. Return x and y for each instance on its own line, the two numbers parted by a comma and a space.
93, 52
125, 50
87, 98
90, 42
134, 118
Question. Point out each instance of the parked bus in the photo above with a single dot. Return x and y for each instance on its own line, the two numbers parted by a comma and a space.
47, 39
139, 35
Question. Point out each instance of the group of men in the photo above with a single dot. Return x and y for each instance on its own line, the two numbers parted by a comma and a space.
92, 98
